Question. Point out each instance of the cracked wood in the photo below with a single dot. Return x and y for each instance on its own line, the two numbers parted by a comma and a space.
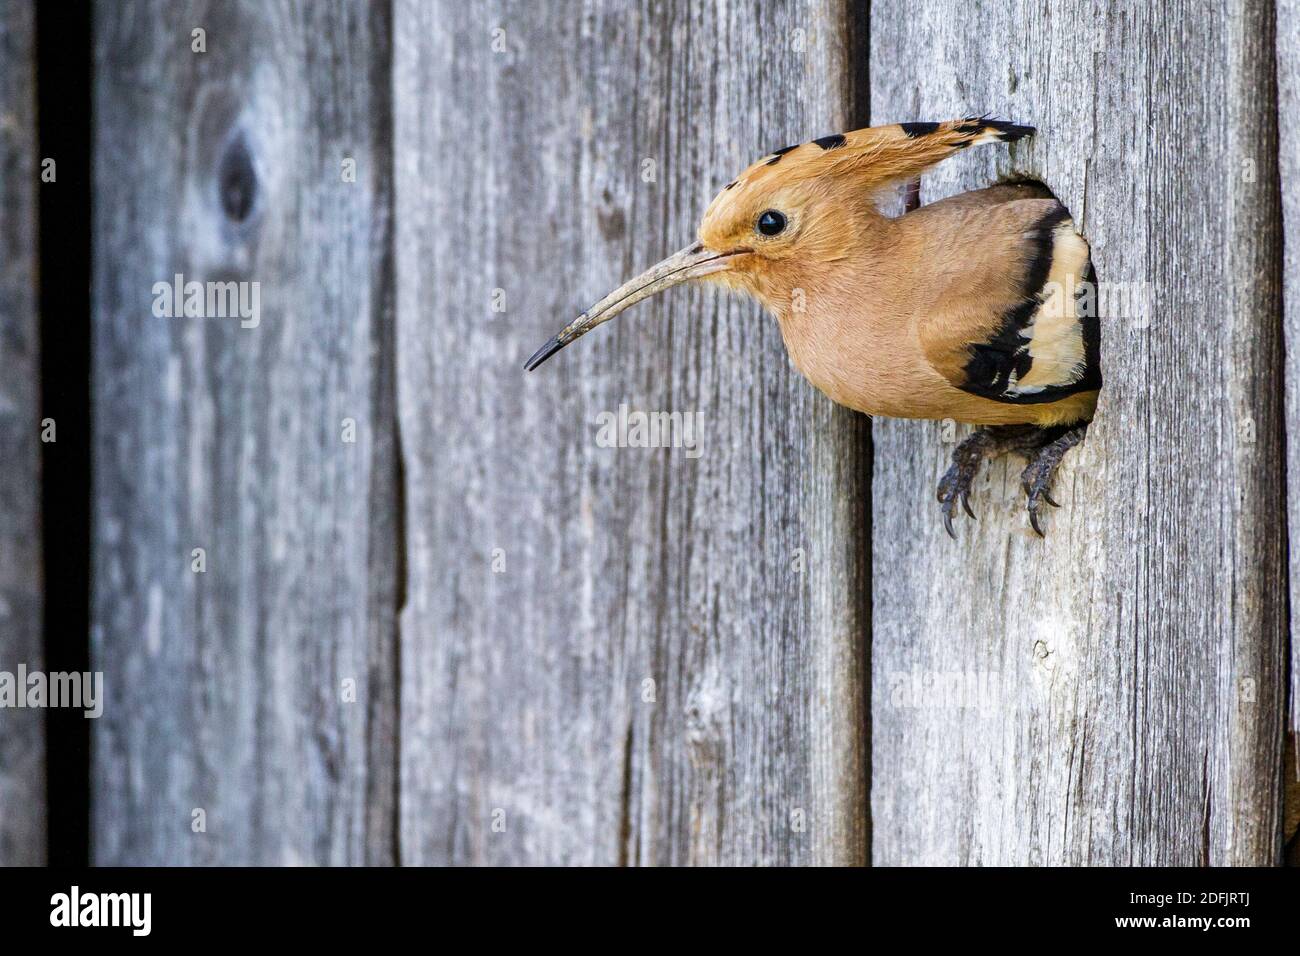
1114, 694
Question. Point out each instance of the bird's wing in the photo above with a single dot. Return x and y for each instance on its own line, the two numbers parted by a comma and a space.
1009, 309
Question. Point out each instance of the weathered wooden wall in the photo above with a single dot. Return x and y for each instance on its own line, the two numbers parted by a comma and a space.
565, 653
1127, 672
226, 691
1288, 101
543, 154
22, 732
734, 582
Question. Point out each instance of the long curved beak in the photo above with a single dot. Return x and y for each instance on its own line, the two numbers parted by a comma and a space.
689, 263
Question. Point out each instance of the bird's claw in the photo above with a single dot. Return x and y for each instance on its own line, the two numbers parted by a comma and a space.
1037, 477
954, 488
1043, 448
1034, 483
989, 442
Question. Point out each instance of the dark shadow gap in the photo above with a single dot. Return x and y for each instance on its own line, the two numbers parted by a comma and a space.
858, 41
63, 77
387, 558
1288, 789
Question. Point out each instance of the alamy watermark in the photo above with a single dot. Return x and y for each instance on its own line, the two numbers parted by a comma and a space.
83, 691
944, 690
1129, 300
636, 429
133, 911
208, 300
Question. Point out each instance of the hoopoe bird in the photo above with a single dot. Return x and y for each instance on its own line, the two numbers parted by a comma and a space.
972, 308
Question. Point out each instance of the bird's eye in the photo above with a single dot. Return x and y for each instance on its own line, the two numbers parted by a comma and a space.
771, 223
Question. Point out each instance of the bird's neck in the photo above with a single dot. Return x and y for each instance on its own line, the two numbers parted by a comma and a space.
804, 290
825, 306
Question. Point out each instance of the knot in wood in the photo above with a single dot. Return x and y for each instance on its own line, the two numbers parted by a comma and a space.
237, 180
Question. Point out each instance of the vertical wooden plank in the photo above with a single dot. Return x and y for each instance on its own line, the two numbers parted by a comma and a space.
22, 732
1288, 114
259, 691
1111, 695
610, 654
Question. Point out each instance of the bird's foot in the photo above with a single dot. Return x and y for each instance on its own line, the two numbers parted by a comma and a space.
984, 443
1037, 476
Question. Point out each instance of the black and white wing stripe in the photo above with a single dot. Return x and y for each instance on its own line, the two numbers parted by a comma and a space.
1047, 346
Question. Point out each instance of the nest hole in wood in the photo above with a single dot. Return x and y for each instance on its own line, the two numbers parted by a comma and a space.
1040, 189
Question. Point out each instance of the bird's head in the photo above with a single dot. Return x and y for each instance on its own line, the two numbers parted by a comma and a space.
767, 232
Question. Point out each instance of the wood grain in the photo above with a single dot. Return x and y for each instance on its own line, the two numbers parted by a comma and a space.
1288, 116
226, 691
569, 653
645, 677
1123, 679
22, 732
